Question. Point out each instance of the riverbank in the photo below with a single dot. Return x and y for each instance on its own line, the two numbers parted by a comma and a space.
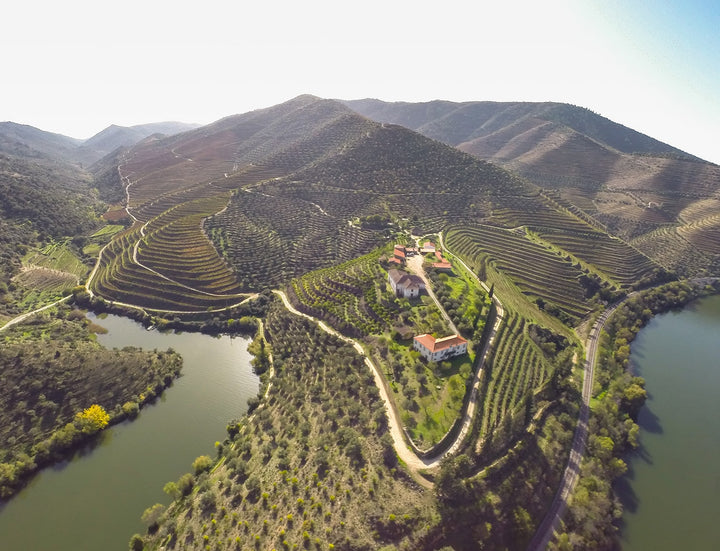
669, 494
591, 520
53, 370
95, 500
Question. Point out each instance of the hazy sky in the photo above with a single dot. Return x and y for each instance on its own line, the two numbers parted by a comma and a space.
77, 66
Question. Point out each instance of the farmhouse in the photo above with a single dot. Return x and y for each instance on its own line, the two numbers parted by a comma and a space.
404, 284
435, 350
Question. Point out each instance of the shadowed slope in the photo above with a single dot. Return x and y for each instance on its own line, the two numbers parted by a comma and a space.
634, 186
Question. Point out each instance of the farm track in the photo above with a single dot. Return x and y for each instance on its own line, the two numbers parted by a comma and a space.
414, 462
416, 266
23, 317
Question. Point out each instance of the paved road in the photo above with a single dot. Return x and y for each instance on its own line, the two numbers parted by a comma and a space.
545, 532
572, 470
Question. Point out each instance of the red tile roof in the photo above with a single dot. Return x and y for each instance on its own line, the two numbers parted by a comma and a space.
434, 345
444, 265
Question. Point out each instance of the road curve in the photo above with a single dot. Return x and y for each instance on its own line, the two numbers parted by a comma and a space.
405, 453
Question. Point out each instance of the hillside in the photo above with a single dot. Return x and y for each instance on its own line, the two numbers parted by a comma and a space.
43, 203
289, 189
26, 141
461, 123
301, 175
114, 136
658, 198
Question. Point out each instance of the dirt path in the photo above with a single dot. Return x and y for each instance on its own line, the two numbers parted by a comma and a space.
23, 317
480, 357
415, 264
405, 453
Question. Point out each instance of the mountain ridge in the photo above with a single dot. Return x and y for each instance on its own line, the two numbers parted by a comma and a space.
444, 121
637, 187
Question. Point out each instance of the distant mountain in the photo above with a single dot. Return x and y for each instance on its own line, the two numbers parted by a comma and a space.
26, 141
463, 124
664, 201
29, 142
114, 136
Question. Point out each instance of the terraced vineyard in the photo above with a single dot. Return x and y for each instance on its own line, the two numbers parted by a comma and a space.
538, 271
517, 369
704, 234
347, 296
536, 211
169, 263
615, 258
556, 223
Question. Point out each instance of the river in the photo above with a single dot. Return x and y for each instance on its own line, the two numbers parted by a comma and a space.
671, 493
94, 501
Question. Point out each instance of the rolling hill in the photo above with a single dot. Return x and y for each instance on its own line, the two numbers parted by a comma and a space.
656, 197
297, 180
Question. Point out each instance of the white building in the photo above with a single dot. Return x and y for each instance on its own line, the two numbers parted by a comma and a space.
404, 284
434, 350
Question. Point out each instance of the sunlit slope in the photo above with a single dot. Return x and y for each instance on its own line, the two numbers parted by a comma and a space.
253, 200
636, 187
351, 170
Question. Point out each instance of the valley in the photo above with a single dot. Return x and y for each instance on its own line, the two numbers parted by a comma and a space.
546, 213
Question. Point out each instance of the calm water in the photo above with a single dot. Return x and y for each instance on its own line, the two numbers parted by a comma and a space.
94, 502
672, 492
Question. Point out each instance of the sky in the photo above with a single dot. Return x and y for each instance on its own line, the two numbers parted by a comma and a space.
77, 66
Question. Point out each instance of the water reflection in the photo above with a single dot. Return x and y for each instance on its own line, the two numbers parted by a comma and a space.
95, 500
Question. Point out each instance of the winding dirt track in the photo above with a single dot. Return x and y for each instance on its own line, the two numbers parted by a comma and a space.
23, 317
404, 452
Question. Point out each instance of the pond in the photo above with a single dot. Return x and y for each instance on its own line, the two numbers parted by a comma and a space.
94, 501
